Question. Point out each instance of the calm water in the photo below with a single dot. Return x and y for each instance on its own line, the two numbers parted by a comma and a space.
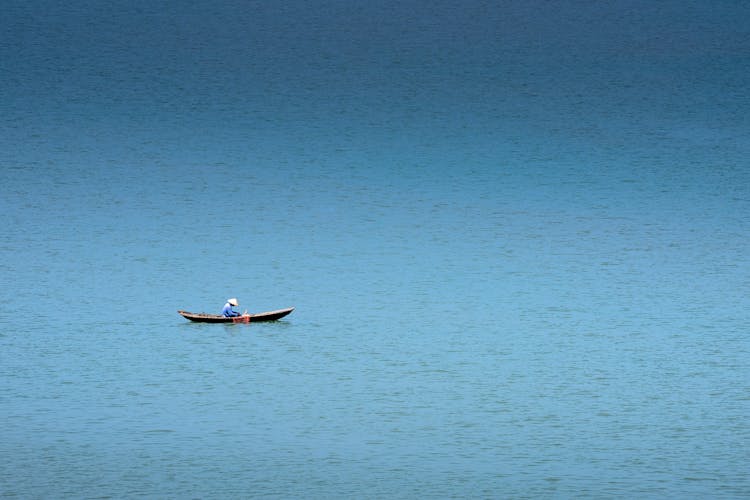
515, 234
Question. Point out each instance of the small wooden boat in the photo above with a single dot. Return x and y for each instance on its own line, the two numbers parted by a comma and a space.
248, 318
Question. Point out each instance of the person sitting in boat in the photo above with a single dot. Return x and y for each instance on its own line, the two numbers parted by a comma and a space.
228, 311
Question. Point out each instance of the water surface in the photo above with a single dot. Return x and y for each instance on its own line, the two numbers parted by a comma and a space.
515, 235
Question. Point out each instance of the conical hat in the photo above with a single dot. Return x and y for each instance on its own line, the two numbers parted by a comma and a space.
233, 302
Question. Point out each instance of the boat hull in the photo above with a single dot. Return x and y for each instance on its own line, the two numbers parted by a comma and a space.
250, 318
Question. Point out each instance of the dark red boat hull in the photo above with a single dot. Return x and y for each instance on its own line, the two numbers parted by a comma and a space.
250, 318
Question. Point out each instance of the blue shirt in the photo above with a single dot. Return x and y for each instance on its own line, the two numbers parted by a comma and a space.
228, 312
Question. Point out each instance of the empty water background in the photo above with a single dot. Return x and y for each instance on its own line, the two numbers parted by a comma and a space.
515, 235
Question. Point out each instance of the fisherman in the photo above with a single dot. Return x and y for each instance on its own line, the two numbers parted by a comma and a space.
228, 311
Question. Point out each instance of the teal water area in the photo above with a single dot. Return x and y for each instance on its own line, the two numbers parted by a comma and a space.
515, 235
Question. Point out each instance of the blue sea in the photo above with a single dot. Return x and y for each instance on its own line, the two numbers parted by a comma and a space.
515, 234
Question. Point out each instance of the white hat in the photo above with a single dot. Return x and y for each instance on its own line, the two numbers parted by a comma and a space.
233, 302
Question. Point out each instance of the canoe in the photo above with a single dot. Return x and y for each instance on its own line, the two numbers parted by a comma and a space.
250, 318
